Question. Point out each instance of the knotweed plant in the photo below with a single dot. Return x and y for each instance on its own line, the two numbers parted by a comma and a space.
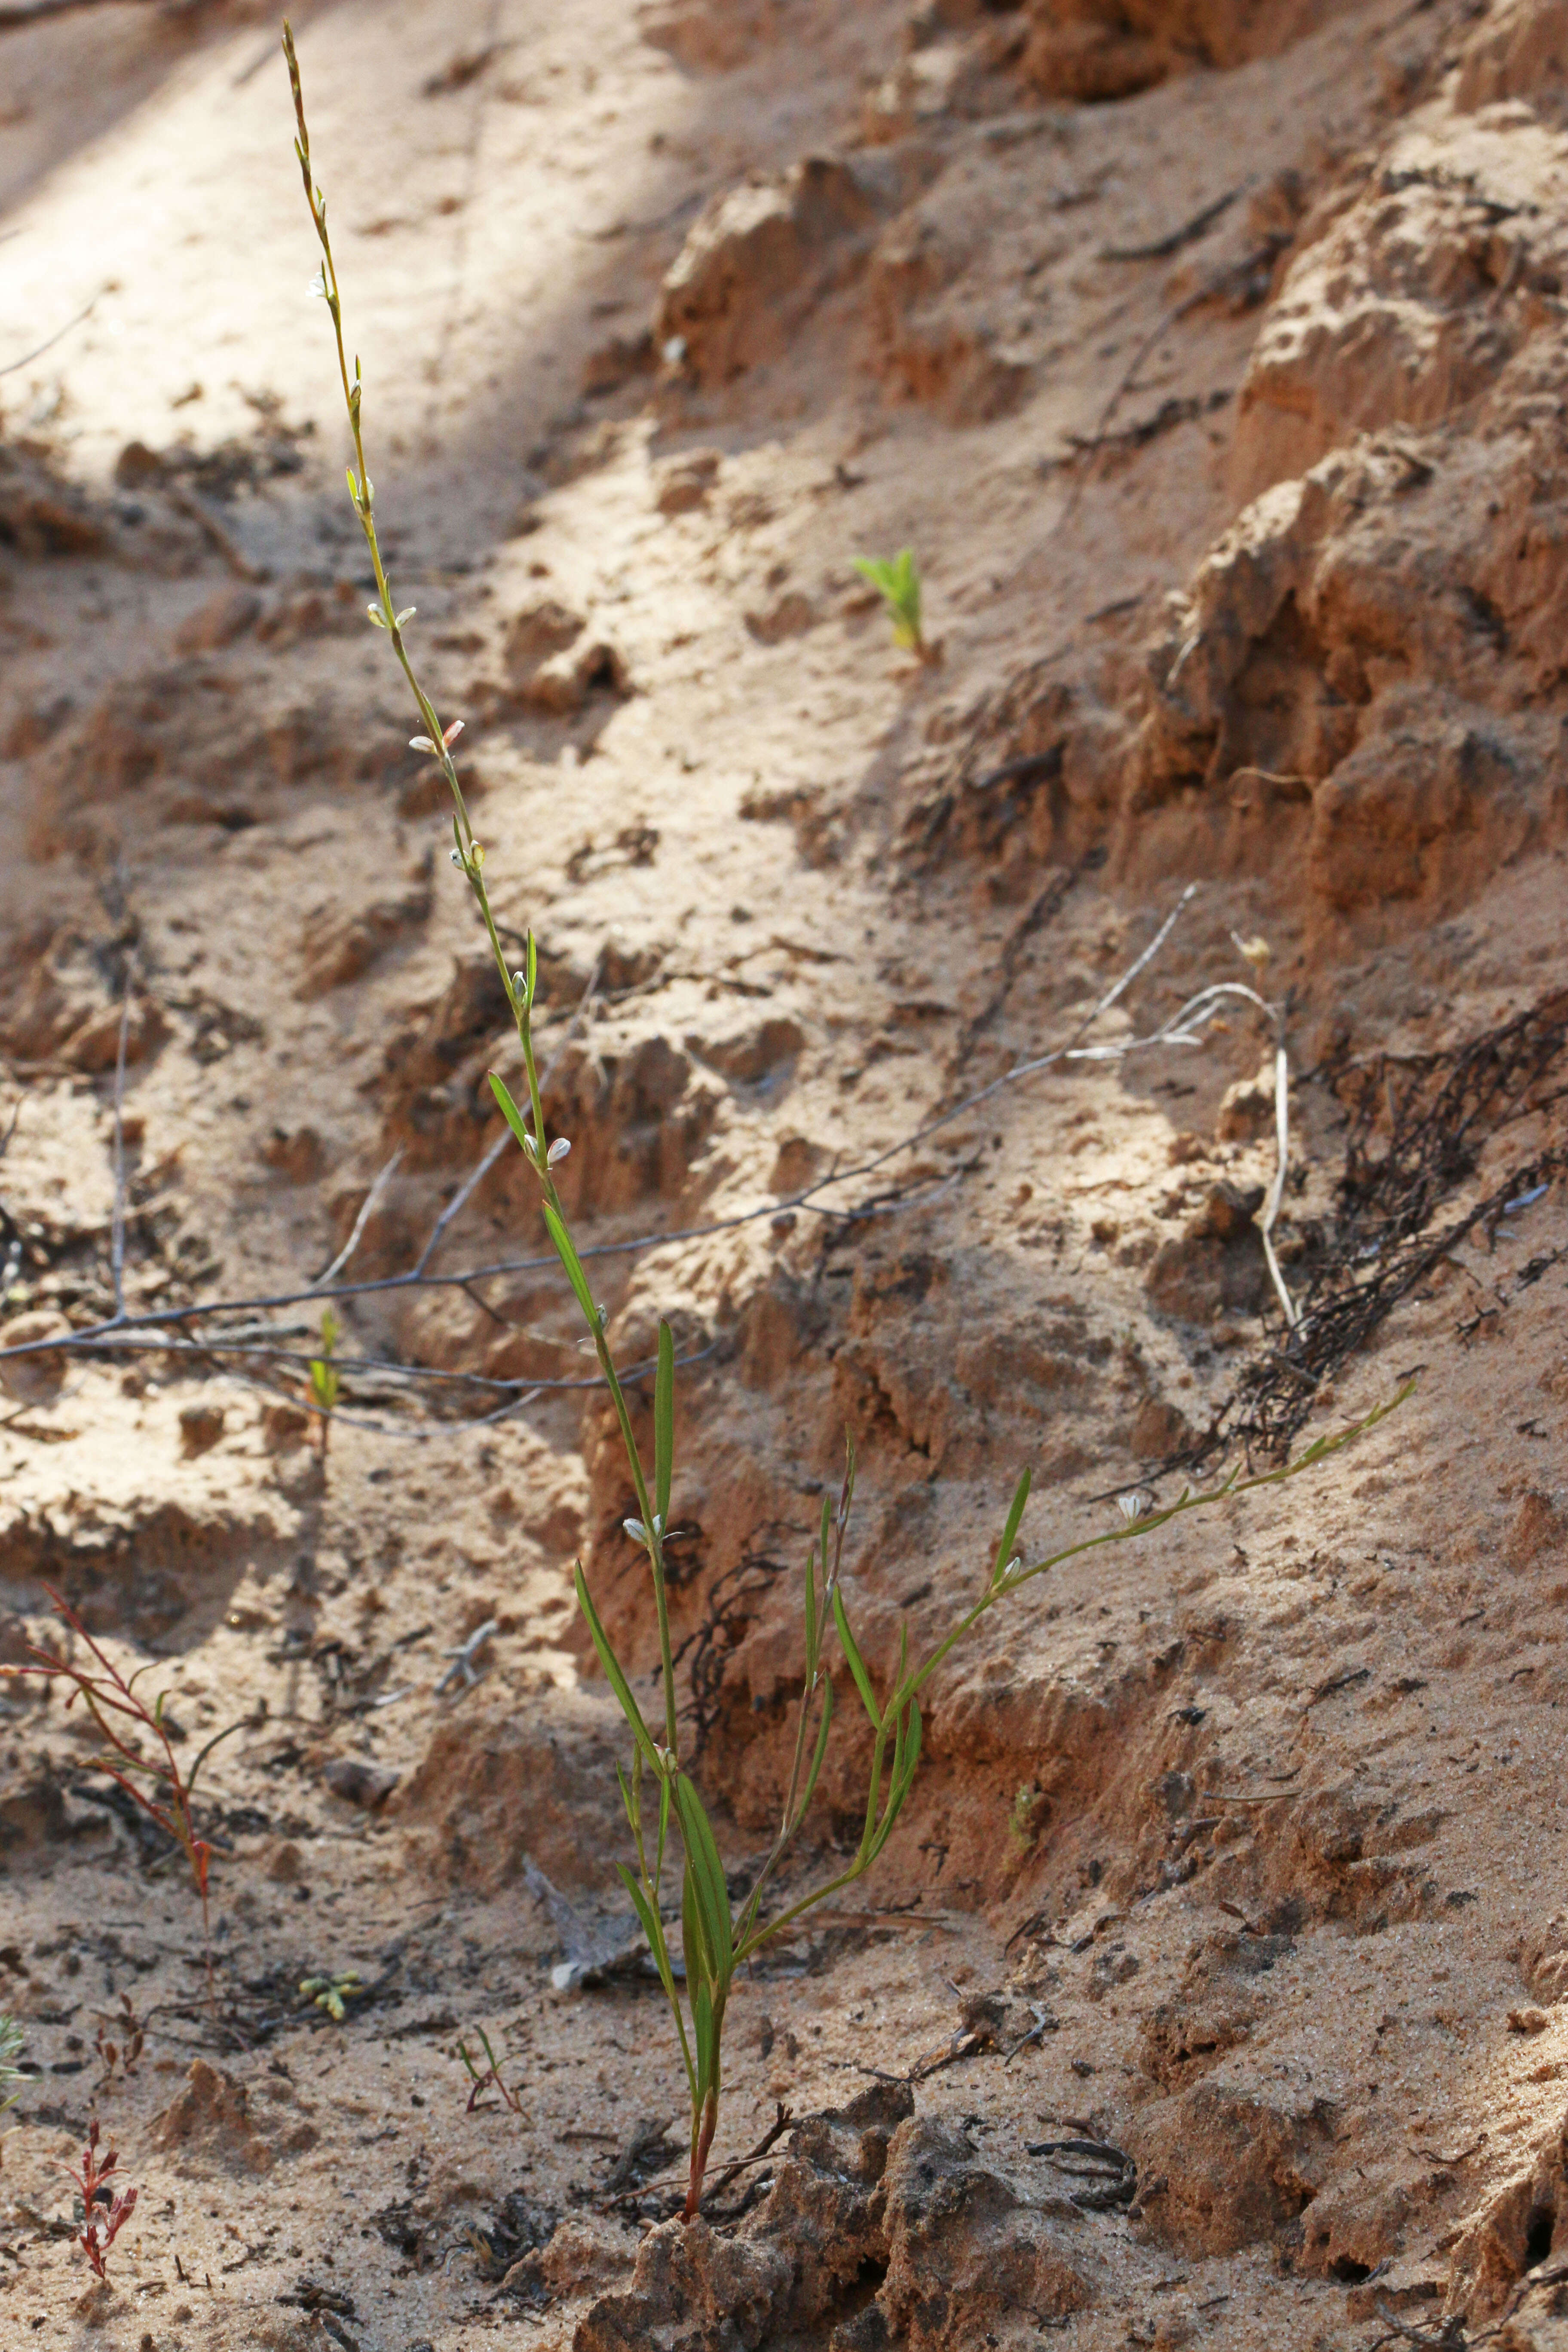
673, 1842
104, 2210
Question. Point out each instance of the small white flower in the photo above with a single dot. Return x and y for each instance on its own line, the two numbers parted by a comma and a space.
636, 1529
455, 729
319, 284
455, 856
658, 1523
1133, 1506
376, 616
558, 1149
407, 615
420, 743
674, 352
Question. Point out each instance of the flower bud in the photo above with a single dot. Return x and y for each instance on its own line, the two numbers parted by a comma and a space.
558, 1149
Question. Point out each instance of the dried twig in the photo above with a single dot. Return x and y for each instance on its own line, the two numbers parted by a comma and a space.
462, 1668
7, 17
1188, 233
117, 1242
366, 1210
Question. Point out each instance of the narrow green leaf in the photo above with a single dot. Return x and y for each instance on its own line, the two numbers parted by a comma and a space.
644, 1909
810, 1614
612, 1666
907, 1756
532, 969
857, 1663
912, 1752
566, 1253
663, 1828
900, 1732
1015, 1520
629, 1801
702, 1852
693, 1933
664, 1424
514, 1118
653, 1928
819, 1755
704, 2019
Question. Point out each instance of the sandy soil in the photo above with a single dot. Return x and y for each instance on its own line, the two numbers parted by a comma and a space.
1209, 354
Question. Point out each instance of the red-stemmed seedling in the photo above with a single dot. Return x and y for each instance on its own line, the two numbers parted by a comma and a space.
489, 2080
104, 2210
109, 1697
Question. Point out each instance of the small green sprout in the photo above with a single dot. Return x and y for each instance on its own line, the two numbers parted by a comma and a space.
489, 2080
332, 1994
10, 2047
899, 585
325, 1379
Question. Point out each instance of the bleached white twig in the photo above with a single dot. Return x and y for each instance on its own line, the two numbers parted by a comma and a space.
462, 1669
366, 1206
1276, 1189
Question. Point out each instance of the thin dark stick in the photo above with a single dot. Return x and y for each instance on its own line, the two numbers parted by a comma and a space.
758, 2155
1161, 248
461, 1197
117, 1236
1233, 273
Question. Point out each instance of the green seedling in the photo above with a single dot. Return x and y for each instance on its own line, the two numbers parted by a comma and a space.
326, 1380
899, 585
679, 1876
10, 2048
332, 1994
487, 2079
